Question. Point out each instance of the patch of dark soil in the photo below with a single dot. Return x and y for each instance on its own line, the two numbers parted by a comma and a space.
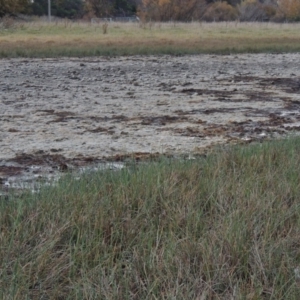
167, 87
56, 161
8, 102
292, 128
62, 116
249, 96
257, 113
99, 119
39, 159
206, 111
274, 117
162, 120
199, 121
186, 84
276, 120
215, 130
190, 131
251, 128
256, 96
289, 85
208, 131
117, 118
225, 95
243, 78
217, 93
13, 130
274, 123
292, 105
46, 111
10, 170
102, 129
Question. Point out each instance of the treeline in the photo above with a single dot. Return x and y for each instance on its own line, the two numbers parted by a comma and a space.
213, 10
69, 8
160, 10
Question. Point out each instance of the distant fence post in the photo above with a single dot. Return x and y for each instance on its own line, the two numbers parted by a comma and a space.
49, 10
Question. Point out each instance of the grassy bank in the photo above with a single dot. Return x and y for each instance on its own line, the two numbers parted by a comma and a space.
84, 39
225, 226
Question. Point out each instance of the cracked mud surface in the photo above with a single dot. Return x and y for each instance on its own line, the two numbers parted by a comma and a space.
62, 113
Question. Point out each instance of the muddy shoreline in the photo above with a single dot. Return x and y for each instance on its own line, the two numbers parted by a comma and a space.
59, 114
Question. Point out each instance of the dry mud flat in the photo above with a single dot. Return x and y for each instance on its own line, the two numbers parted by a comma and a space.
56, 114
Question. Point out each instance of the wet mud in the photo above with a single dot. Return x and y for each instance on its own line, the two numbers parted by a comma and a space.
59, 115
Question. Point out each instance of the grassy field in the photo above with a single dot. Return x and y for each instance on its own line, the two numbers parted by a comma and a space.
39, 39
222, 226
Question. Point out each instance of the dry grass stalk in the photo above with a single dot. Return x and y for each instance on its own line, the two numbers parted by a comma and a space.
104, 28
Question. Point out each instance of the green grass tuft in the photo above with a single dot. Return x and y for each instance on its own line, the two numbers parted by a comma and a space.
224, 226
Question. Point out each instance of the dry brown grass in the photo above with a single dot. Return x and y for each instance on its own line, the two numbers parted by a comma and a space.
79, 39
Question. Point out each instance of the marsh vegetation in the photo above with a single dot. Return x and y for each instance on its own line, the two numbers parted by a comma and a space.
222, 226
